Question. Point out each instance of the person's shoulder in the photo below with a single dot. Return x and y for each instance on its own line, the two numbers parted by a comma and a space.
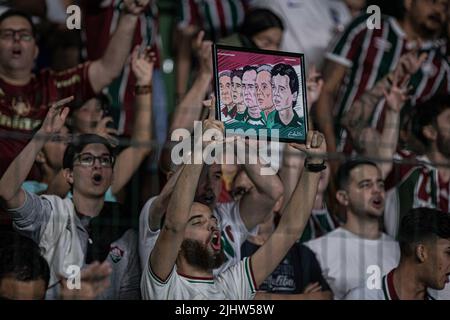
317, 243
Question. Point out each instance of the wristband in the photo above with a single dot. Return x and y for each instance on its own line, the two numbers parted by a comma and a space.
143, 89
315, 167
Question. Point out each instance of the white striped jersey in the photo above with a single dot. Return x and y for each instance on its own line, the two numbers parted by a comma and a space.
369, 55
386, 292
236, 283
218, 18
413, 186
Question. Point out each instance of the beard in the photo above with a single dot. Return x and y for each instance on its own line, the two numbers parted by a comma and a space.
198, 255
443, 145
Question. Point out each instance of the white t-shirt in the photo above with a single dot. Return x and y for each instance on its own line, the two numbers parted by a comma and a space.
443, 294
310, 25
349, 261
233, 230
386, 291
236, 283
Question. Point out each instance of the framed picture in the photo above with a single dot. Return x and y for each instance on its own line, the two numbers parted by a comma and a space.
260, 92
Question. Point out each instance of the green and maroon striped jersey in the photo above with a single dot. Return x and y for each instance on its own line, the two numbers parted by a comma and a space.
218, 18
369, 55
413, 186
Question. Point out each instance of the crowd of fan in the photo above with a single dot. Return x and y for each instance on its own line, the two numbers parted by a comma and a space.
360, 211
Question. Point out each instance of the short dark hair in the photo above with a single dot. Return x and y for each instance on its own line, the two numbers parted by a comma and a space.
237, 73
427, 113
77, 145
422, 224
21, 259
284, 69
249, 68
18, 13
343, 173
259, 20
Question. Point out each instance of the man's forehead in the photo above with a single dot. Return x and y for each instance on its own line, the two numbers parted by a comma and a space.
263, 74
249, 74
443, 242
200, 209
16, 22
95, 148
280, 78
364, 172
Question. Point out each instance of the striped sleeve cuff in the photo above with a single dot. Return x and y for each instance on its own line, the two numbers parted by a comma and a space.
157, 279
339, 59
250, 275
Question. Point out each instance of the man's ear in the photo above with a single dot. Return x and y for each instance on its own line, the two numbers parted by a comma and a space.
430, 132
294, 98
40, 157
342, 197
421, 253
68, 174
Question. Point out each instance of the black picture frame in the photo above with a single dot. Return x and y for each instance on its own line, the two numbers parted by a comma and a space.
232, 62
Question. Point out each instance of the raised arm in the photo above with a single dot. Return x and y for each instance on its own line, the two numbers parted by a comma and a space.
395, 100
159, 206
11, 194
296, 214
191, 107
129, 160
358, 116
164, 255
104, 70
334, 76
257, 202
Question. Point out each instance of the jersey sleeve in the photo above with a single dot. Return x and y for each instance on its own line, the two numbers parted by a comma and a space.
238, 281
147, 237
153, 288
348, 45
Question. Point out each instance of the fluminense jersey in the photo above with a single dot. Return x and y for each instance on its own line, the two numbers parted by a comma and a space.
416, 185
236, 283
386, 292
348, 260
24, 107
233, 233
218, 18
369, 55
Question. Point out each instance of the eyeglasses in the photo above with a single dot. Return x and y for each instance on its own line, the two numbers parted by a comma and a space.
10, 34
88, 160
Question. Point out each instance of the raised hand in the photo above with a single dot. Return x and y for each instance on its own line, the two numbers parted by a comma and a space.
55, 118
397, 95
142, 65
94, 280
211, 122
108, 133
315, 147
203, 50
410, 63
135, 7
